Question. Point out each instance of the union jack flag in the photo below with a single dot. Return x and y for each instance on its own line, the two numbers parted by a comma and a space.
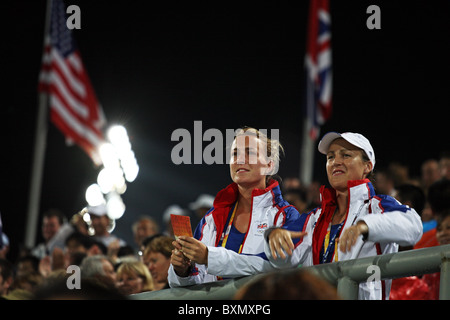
74, 108
318, 66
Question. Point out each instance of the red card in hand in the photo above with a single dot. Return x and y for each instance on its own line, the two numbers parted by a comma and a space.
181, 225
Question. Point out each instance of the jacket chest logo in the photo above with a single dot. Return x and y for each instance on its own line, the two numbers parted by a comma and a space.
261, 227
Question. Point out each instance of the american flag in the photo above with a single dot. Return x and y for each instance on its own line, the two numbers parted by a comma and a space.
74, 107
318, 66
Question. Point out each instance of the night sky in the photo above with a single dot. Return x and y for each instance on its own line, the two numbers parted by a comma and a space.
156, 68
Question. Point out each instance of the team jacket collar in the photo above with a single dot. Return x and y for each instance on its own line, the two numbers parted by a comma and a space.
357, 189
227, 197
359, 192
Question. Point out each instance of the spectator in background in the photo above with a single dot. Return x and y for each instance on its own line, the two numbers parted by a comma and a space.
4, 248
133, 277
409, 288
6, 277
26, 264
427, 286
24, 286
313, 195
54, 231
102, 224
297, 197
157, 258
90, 290
78, 242
49, 264
78, 223
430, 173
399, 173
444, 165
172, 209
143, 228
99, 268
443, 238
310, 193
296, 284
439, 195
291, 183
443, 228
414, 197
200, 207
438, 199
384, 183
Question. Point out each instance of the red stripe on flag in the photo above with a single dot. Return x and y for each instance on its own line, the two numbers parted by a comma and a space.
74, 108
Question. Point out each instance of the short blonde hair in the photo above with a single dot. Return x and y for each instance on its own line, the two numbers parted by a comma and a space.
273, 147
136, 268
162, 244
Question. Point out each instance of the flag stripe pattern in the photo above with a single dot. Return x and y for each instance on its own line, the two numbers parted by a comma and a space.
318, 63
74, 108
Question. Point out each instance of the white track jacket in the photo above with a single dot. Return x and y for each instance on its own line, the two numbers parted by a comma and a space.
269, 209
390, 224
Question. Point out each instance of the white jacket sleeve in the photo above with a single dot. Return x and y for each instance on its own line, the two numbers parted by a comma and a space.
199, 275
227, 263
393, 222
301, 254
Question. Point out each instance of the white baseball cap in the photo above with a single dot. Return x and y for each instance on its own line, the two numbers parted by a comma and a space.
203, 201
99, 210
173, 209
355, 139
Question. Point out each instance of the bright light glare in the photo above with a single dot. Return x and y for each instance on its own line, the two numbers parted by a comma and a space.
94, 195
87, 217
117, 135
131, 172
115, 206
109, 156
110, 178
104, 181
119, 166
119, 138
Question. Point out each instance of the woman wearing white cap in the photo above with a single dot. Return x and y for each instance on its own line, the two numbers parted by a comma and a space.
351, 222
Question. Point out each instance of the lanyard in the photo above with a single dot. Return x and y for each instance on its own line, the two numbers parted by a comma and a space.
228, 229
330, 243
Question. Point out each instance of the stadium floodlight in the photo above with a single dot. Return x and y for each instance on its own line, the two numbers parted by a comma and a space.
115, 206
94, 195
119, 167
109, 156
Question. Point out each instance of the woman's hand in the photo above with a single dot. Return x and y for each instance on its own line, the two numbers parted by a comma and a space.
350, 235
280, 241
194, 250
180, 263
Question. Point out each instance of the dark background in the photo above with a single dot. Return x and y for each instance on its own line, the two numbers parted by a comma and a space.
156, 68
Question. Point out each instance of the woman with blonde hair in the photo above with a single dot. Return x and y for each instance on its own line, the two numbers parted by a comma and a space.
228, 241
133, 277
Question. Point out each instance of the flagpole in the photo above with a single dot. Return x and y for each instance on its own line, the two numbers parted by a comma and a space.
306, 155
37, 166
307, 147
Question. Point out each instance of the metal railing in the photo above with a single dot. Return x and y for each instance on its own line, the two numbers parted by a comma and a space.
345, 275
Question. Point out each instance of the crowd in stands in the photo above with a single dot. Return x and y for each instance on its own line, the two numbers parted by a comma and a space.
112, 269
109, 268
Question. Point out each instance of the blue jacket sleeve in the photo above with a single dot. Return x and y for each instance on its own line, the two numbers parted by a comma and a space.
294, 221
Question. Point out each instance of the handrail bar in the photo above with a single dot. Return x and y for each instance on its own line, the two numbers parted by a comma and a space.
344, 274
